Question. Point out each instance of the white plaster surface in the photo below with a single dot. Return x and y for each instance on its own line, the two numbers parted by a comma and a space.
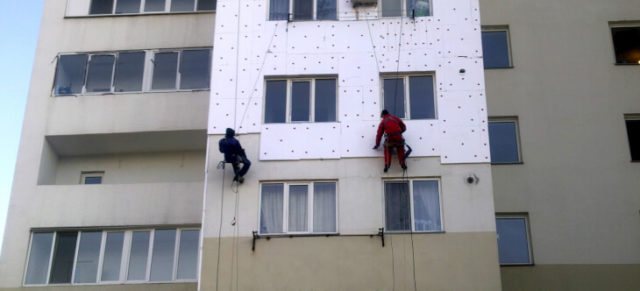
359, 49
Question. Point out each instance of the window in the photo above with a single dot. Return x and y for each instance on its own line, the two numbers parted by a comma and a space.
495, 47
626, 44
93, 257
633, 133
108, 7
301, 100
412, 206
409, 97
298, 208
181, 70
303, 9
409, 8
91, 177
122, 72
514, 247
504, 141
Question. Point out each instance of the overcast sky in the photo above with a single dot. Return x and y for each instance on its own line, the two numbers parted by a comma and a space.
19, 26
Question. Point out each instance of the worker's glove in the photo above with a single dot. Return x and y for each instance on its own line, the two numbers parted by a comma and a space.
376, 147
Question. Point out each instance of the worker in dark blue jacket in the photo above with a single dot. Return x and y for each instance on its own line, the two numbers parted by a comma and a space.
234, 154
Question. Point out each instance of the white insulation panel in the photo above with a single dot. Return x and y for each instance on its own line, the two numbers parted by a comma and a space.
359, 49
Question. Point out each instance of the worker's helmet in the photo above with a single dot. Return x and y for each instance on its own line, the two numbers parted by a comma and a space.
384, 112
230, 132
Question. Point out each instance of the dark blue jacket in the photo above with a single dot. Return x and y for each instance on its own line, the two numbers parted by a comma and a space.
231, 148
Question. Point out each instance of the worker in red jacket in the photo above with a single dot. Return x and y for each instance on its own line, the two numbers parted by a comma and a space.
392, 127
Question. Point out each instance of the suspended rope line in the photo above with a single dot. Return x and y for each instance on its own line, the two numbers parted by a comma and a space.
220, 166
405, 179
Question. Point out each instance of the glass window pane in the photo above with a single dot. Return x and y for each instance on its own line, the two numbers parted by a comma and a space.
626, 43
325, 103
633, 133
63, 255
188, 254
503, 142
326, 10
417, 8
70, 74
302, 9
128, 6
138, 256
182, 5
154, 5
421, 97
112, 256
298, 206
165, 71
300, 100
206, 5
278, 9
391, 8
397, 211
93, 180
39, 257
100, 73
426, 206
324, 207
271, 208
394, 96
513, 243
164, 242
194, 69
276, 102
101, 7
88, 255
495, 48
129, 72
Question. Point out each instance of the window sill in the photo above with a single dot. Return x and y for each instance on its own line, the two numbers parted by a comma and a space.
627, 64
506, 164
130, 93
110, 283
517, 265
500, 68
139, 14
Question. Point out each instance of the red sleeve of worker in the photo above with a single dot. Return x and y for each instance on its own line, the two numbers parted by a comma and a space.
380, 132
402, 126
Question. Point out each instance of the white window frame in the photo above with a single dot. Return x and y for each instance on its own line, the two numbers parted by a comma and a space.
515, 120
167, 9
310, 206
312, 97
403, 8
499, 28
407, 91
527, 230
124, 259
411, 205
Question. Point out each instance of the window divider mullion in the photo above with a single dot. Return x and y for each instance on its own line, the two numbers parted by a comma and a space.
176, 250
289, 101
407, 98
126, 255
285, 208
178, 73
116, 57
150, 254
86, 74
75, 257
312, 100
167, 6
310, 196
53, 247
411, 205
103, 243
142, 4
113, 7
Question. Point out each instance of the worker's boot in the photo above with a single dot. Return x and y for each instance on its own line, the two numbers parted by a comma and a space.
386, 168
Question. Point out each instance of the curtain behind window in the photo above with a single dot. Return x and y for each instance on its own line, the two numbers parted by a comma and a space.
278, 9
397, 211
324, 207
298, 208
426, 203
271, 208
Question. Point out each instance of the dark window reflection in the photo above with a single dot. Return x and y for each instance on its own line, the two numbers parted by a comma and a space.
626, 42
495, 48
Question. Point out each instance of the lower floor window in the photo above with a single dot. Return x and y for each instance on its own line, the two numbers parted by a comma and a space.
412, 205
298, 208
101, 256
514, 247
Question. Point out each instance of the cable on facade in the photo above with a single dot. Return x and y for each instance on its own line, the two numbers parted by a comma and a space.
405, 178
220, 166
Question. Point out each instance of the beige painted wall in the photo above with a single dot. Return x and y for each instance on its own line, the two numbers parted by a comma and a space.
171, 167
452, 261
572, 277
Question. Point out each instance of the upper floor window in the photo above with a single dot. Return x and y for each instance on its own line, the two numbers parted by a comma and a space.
96, 256
298, 207
91, 178
514, 246
116, 72
105, 7
409, 96
301, 100
633, 133
496, 48
412, 205
503, 140
626, 43
303, 10
409, 8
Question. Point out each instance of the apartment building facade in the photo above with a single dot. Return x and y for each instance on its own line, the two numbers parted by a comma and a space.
119, 183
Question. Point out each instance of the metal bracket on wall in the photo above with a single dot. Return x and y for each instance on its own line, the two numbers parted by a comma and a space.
255, 237
381, 235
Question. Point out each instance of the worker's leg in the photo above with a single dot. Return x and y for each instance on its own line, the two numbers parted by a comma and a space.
246, 164
387, 156
401, 158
